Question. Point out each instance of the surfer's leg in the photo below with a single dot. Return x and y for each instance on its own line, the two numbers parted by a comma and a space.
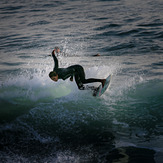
79, 75
92, 80
80, 78
78, 82
80, 72
81, 86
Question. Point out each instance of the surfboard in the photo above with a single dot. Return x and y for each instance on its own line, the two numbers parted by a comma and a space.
100, 90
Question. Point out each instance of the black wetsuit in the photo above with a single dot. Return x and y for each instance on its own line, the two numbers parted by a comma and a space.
75, 70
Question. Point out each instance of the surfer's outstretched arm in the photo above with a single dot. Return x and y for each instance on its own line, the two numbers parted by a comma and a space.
55, 60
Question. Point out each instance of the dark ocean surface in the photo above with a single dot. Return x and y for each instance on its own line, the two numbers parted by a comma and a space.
44, 121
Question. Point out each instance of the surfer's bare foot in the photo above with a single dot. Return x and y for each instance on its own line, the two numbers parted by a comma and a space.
103, 82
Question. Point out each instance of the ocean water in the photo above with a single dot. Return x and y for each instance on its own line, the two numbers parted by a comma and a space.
45, 121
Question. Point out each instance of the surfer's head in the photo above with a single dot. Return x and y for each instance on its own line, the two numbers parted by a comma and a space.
54, 76
57, 49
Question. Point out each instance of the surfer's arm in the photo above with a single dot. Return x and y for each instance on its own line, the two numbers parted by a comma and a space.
55, 60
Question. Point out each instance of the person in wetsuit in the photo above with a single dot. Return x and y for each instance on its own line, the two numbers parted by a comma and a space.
75, 70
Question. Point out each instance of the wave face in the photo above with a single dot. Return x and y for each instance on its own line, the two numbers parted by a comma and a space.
46, 121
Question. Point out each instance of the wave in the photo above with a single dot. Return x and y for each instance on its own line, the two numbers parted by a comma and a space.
22, 90
80, 120
37, 113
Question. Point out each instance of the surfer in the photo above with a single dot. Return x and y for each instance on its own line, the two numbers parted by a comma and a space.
75, 71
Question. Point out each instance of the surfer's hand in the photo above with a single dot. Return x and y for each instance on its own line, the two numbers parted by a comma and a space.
71, 78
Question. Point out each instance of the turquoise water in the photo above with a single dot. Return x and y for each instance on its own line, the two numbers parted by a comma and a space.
44, 121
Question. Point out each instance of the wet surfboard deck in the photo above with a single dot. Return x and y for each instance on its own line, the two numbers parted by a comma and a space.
100, 90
